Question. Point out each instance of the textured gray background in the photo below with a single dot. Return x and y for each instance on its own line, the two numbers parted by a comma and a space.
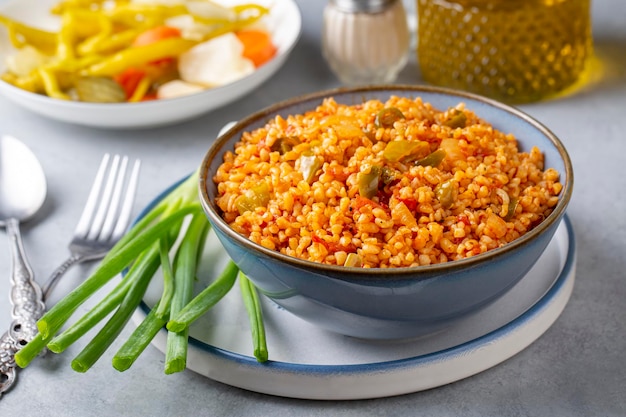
577, 368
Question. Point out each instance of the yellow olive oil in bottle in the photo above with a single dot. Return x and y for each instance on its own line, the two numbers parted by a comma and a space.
511, 50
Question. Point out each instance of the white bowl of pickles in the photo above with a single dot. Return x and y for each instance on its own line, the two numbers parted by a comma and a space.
139, 63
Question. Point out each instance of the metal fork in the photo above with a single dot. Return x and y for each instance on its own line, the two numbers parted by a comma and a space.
105, 217
103, 222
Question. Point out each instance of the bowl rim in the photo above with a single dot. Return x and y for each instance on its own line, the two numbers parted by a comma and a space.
400, 272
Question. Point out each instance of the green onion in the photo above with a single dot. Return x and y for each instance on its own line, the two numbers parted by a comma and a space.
205, 300
144, 269
89, 320
168, 281
52, 321
145, 248
25, 355
255, 315
184, 275
138, 341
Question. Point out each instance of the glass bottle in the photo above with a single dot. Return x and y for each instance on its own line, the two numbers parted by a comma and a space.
511, 50
365, 41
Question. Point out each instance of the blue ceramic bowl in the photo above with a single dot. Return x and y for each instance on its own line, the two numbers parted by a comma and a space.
401, 302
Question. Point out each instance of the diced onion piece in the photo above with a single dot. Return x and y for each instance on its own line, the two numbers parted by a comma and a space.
495, 226
504, 211
401, 214
215, 62
344, 126
452, 149
309, 165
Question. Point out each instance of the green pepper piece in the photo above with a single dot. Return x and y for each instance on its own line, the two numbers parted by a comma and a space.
388, 116
309, 164
370, 135
513, 202
446, 193
368, 182
456, 119
433, 159
257, 196
388, 175
400, 149
285, 144
353, 260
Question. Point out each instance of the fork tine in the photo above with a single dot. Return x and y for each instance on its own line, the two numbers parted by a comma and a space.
113, 207
90, 206
105, 199
127, 204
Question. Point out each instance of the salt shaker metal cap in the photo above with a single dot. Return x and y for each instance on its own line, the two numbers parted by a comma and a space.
361, 6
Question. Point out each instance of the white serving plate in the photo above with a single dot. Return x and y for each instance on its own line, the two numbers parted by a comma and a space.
284, 20
310, 363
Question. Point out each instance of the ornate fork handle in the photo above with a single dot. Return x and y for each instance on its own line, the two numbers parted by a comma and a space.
28, 307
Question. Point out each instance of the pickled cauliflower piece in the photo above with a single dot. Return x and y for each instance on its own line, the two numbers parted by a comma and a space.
177, 88
25, 60
215, 62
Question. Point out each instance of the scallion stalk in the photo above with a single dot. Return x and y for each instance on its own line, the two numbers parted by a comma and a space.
206, 299
138, 341
184, 275
255, 315
145, 247
52, 320
25, 355
144, 269
163, 309
102, 309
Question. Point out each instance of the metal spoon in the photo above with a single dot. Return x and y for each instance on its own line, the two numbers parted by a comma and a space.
22, 193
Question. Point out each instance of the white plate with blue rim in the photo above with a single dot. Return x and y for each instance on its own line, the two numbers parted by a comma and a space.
284, 21
311, 363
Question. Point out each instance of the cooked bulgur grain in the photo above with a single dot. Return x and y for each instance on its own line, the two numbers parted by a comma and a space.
395, 188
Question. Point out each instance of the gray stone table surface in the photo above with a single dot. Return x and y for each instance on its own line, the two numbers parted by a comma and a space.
577, 368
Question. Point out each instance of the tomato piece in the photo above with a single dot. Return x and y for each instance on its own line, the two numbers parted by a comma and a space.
463, 219
410, 203
359, 202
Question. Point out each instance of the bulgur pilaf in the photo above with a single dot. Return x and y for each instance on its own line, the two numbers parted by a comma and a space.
383, 184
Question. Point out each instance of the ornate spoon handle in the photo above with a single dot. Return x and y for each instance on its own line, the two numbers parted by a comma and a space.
28, 307
8, 349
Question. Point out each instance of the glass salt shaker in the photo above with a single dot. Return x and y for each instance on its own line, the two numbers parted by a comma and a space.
365, 41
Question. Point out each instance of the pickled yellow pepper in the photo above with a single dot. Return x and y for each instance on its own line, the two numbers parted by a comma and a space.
136, 56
